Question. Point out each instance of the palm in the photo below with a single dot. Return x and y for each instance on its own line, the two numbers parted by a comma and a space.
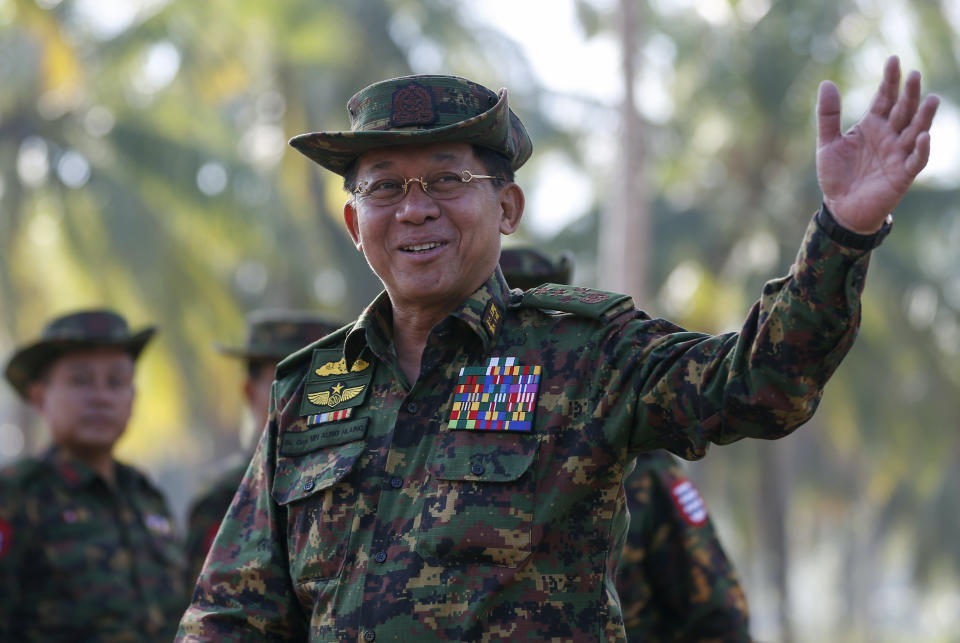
864, 172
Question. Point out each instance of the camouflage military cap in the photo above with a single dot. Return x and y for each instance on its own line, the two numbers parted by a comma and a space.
527, 268
72, 332
417, 110
274, 334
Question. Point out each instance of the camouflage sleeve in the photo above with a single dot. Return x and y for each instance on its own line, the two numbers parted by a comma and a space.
244, 592
675, 581
683, 390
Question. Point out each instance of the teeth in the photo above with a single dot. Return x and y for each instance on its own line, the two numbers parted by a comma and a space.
420, 247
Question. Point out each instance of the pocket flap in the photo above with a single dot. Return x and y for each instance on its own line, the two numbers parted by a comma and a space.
302, 476
482, 456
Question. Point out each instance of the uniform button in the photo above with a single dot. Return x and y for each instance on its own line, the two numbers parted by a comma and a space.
308, 485
380, 556
369, 635
476, 469
396, 483
412, 407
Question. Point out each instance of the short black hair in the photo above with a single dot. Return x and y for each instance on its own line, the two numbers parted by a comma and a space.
494, 163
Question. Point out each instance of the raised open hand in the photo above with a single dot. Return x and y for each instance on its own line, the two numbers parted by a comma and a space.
864, 172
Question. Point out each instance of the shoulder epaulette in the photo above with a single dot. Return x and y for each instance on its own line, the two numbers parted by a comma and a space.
585, 302
292, 361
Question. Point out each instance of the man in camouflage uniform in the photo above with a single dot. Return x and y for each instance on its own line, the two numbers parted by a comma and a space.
675, 581
271, 336
87, 547
450, 467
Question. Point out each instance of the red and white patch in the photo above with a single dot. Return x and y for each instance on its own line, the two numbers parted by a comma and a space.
6, 538
689, 502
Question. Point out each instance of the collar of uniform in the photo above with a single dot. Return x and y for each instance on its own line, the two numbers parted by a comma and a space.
75, 472
374, 328
483, 311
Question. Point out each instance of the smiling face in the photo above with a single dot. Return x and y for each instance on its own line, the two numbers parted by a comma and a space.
86, 398
432, 254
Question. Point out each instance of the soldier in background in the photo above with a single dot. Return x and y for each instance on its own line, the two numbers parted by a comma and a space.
271, 336
675, 580
87, 546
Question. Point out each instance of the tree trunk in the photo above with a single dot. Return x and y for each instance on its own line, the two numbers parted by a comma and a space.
625, 227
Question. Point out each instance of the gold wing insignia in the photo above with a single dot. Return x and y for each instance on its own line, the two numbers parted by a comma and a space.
350, 393
319, 399
332, 368
335, 396
340, 368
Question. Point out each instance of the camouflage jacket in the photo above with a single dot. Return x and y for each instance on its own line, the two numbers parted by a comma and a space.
204, 517
81, 561
675, 581
374, 509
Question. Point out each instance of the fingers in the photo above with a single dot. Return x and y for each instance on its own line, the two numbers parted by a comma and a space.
918, 158
886, 95
828, 113
915, 138
906, 106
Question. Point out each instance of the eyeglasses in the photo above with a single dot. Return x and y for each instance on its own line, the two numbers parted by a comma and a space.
443, 185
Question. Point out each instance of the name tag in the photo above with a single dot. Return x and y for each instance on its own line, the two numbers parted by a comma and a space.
323, 435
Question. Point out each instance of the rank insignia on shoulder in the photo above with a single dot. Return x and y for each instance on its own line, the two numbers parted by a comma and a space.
498, 397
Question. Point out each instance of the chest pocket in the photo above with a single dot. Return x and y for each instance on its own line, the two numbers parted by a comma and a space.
479, 499
312, 488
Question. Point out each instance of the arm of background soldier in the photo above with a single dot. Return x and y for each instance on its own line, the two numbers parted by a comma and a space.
203, 520
244, 592
693, 592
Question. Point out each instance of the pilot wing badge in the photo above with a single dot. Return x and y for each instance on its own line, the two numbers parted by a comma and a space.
500, 396
332, 389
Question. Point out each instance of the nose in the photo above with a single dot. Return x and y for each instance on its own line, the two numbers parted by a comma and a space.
417, 206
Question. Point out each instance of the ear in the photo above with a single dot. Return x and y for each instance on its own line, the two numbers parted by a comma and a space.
511, 208
36, 393
353, 226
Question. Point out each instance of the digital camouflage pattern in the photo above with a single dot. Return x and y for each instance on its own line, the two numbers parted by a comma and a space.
675, 581
420, 109
82, 561
271, 335
69, 332
389, 525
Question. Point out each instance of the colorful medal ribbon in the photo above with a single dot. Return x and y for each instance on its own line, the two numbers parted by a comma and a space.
498, 397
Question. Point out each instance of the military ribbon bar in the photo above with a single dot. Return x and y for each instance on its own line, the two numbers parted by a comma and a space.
498, 397
332, 416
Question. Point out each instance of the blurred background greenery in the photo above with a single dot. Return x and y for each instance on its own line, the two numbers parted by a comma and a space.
143, 166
